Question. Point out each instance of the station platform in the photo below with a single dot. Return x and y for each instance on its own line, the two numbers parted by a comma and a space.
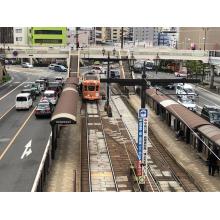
65, 173
184, 154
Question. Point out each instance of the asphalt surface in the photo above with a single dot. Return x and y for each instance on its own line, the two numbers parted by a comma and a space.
18, 173
23, 138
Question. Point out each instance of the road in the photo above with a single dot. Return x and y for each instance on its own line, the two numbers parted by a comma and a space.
23, 138
205, 97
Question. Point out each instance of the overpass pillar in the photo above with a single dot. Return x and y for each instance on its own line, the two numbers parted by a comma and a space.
212, 77
31, 61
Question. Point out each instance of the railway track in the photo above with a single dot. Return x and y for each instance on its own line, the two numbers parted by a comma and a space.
162, 167
107, 153
98, 174
172, 176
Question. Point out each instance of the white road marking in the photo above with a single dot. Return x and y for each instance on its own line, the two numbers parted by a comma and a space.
11, 91
17, 133
7, 112
34, 187
27, 150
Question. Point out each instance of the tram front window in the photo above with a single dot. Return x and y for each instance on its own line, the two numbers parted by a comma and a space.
91, 88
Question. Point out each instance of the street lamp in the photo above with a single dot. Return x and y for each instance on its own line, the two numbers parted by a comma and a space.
156, 62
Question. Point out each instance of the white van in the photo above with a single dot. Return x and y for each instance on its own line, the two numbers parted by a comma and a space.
185, 89
23, 101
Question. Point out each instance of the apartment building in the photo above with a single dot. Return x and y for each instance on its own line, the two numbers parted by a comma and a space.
21, 36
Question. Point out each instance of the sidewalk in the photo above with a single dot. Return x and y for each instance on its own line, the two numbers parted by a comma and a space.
184, 154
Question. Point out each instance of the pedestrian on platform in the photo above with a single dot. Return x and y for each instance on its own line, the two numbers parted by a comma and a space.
212, 162
179, 135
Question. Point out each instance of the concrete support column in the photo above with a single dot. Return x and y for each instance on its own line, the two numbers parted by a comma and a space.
31, 61
212, 77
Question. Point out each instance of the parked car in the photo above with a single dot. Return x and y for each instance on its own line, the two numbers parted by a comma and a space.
26, 65
23, 101
51, 95
44, 108
211, 114
60, 68
31, 92
52, 65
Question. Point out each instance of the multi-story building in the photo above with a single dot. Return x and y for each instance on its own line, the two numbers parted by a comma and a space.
6, 36
100, 35
199, 38
46, 36
146, 35
21, 36
116, 33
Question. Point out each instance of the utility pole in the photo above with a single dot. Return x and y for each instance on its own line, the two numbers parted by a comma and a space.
122, 37
77, 38
107, 105
143, 89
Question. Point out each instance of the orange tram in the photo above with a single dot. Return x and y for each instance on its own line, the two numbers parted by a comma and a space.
91, 87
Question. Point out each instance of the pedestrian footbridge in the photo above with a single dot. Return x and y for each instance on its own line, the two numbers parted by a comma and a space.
212, 57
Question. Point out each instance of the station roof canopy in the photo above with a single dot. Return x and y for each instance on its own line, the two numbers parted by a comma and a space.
211, 132
188, 117
66, 109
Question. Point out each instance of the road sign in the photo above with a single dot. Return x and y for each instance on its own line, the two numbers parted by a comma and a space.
142, 140
143, 113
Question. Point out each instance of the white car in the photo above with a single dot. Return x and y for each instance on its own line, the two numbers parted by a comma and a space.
185, 89
97, 69
26, 65
52, 65
51, 96
180, 74
188, 103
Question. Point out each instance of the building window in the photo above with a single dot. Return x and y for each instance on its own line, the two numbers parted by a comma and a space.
48, 41
18, 30
18, 38
57, 32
